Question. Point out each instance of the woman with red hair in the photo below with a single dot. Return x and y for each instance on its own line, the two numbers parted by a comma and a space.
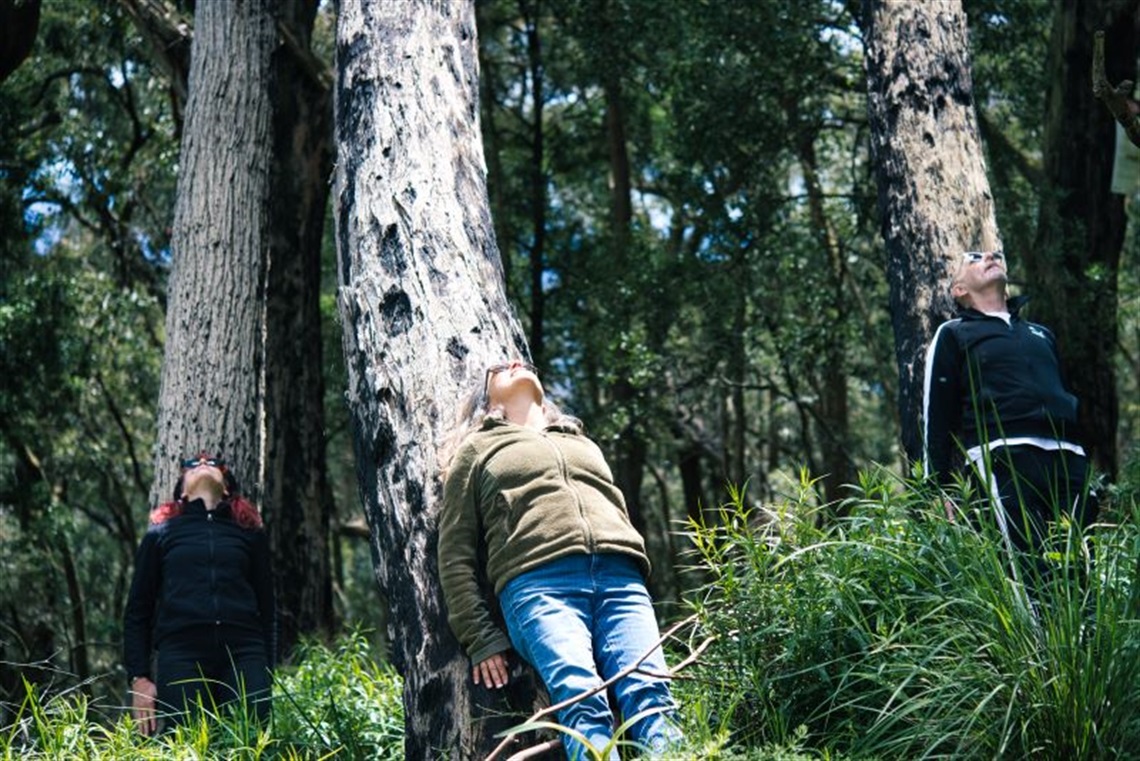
199, 627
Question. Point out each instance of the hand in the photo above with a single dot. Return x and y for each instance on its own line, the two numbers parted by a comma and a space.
143, 693
950, 507
491, 672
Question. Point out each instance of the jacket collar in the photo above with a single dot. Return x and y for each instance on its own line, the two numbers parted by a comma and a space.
1014, 306
198, 507
494, 421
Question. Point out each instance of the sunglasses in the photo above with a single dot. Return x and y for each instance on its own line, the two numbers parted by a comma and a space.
973, 257
193, 462
494, 369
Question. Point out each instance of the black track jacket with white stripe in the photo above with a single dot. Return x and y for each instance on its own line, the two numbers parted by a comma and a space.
988, 380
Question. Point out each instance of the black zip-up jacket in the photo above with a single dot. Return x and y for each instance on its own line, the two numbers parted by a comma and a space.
986, 380
199, 578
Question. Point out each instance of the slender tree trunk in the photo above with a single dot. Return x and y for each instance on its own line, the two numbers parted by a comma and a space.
1074, 262
833, 399
424, 311
736, 368
213, 372
80, 659
631, 448
531, 13
934, 197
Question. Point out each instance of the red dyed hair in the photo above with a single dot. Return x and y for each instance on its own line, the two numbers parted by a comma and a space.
245, 514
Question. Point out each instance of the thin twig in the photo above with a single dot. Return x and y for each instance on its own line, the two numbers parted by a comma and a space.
604, 685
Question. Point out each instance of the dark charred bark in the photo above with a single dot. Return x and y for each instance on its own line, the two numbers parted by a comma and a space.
1072, 267
296, 495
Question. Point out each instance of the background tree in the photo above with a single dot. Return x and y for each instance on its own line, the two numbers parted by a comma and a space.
247, 267
1073, 263
83, 149
934, 194
424, 312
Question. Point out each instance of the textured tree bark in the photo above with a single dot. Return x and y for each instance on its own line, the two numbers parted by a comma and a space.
248, 233
424, 311
1073, 264
934, 197
213, 373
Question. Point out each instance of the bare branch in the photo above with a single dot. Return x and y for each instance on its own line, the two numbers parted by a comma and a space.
170, 36
635, 666
1116, 98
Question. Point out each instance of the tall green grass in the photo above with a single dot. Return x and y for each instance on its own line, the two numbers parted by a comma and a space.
334, 703
895, 633
889, 633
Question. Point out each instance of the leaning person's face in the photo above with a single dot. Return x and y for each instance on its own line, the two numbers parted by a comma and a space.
507, 381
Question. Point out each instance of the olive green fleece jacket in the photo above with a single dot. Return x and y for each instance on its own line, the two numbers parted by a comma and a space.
533, 497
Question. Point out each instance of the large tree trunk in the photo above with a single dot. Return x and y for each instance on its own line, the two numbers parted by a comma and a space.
296, 491
934, 196
253, 203
1073, 264
213, 372
424, 311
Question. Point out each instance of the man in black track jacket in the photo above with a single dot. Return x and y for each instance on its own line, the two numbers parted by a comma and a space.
994, 401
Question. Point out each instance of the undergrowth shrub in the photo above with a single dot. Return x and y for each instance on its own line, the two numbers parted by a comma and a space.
340, 700
335, 703
893, 632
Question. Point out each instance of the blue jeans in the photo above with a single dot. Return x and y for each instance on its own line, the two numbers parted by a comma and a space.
580, 620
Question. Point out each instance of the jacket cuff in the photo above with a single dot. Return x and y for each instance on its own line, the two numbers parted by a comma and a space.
499, 644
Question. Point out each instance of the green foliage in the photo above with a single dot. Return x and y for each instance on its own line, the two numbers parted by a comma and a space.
335, 703
894, 633
340, 701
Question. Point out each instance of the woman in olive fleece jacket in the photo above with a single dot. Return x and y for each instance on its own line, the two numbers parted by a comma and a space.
531, 506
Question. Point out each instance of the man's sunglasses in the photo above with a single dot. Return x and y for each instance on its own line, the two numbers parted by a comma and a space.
193, 462
973, 257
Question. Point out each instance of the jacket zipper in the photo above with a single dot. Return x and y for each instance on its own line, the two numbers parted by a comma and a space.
565, 473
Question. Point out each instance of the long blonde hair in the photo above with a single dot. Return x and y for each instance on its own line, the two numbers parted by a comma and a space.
474, 409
